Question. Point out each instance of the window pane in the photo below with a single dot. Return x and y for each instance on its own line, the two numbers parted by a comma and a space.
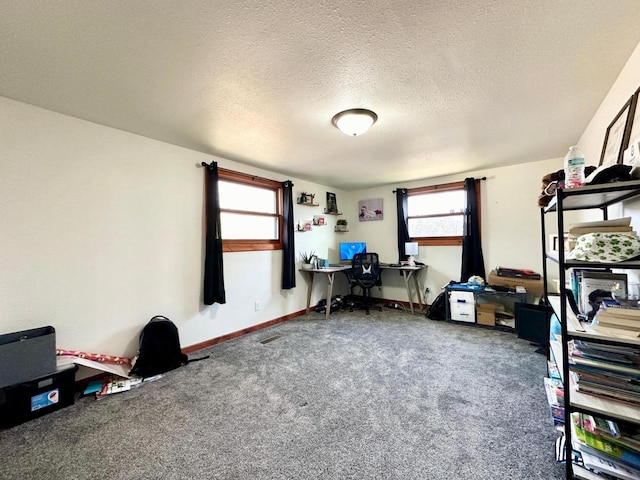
248, 227
449, 226
436, 203
236, 196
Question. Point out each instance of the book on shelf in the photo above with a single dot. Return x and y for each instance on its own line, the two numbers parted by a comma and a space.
612, 321
554, 391
616, 222
577, 231
597, 443
594, 284
606, 465
553, 371
614, 308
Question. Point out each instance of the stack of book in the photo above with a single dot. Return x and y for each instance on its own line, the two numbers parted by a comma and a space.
555, 392
619, 225
606, 371
611, 315
608, 448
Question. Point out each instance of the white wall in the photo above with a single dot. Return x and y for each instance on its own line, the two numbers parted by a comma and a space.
102, 229
510, 225
593, 137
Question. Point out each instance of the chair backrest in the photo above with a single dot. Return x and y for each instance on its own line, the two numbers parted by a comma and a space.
365, 269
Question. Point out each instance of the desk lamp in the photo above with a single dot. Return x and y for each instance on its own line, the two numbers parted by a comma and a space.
411, 249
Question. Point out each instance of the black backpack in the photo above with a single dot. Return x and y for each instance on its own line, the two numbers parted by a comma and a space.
436, 310
159, 349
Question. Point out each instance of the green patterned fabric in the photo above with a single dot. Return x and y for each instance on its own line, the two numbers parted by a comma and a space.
605, 247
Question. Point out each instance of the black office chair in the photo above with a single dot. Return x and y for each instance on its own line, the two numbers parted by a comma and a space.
365, 273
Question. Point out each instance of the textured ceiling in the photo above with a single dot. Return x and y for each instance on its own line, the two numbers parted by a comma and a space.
457, 85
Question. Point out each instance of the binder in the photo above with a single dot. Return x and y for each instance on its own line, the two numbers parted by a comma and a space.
26, 355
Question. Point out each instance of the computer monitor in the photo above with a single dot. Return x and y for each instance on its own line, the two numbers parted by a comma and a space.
411, 248
349, 249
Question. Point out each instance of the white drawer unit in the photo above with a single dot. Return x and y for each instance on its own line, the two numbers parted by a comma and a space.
462, 306
463, 312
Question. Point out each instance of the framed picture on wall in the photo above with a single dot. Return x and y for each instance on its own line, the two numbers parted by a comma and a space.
332, 204
370, 210
634, 130
616, 138
554, 242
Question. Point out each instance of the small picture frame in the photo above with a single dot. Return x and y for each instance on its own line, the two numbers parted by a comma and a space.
332, 204
617, 136
318, 220
634, 130
553, 242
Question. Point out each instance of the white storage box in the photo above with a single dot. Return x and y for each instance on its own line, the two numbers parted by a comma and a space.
463, 312
461, 297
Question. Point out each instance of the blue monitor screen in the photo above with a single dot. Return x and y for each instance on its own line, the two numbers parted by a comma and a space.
348, 250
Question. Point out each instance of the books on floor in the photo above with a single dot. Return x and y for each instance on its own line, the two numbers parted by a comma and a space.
114, 384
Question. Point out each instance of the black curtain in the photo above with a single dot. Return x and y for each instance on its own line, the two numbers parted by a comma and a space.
403, 218
213, 267
288, 247
472, 258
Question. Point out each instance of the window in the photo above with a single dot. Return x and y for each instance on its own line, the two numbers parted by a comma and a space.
250, 212
436, 213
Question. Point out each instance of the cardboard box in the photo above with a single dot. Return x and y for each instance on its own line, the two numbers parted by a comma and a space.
531, 286
486, 313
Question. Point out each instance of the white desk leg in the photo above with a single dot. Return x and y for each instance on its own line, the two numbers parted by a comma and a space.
407, 276
330, 277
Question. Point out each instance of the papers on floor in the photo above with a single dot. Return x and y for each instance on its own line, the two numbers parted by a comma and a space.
114, 369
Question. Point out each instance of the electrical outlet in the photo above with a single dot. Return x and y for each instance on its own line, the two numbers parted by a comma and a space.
256, 306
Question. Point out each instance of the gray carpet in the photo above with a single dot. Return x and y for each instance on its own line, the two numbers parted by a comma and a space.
385, 396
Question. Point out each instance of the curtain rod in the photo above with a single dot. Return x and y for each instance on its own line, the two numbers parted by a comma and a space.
483, 178
253, 177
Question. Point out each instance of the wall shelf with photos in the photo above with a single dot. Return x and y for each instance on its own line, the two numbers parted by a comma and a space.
307, 199
304, 226
319, 221
331, 213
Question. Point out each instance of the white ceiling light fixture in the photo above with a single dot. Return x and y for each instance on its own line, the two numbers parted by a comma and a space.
355, 121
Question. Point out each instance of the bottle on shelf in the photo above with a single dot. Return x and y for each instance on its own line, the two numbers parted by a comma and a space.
573, 168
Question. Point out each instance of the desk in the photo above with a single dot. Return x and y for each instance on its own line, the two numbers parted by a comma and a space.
409, 272
330, 272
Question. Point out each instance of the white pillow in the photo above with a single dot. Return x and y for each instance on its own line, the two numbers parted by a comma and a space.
605, 247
